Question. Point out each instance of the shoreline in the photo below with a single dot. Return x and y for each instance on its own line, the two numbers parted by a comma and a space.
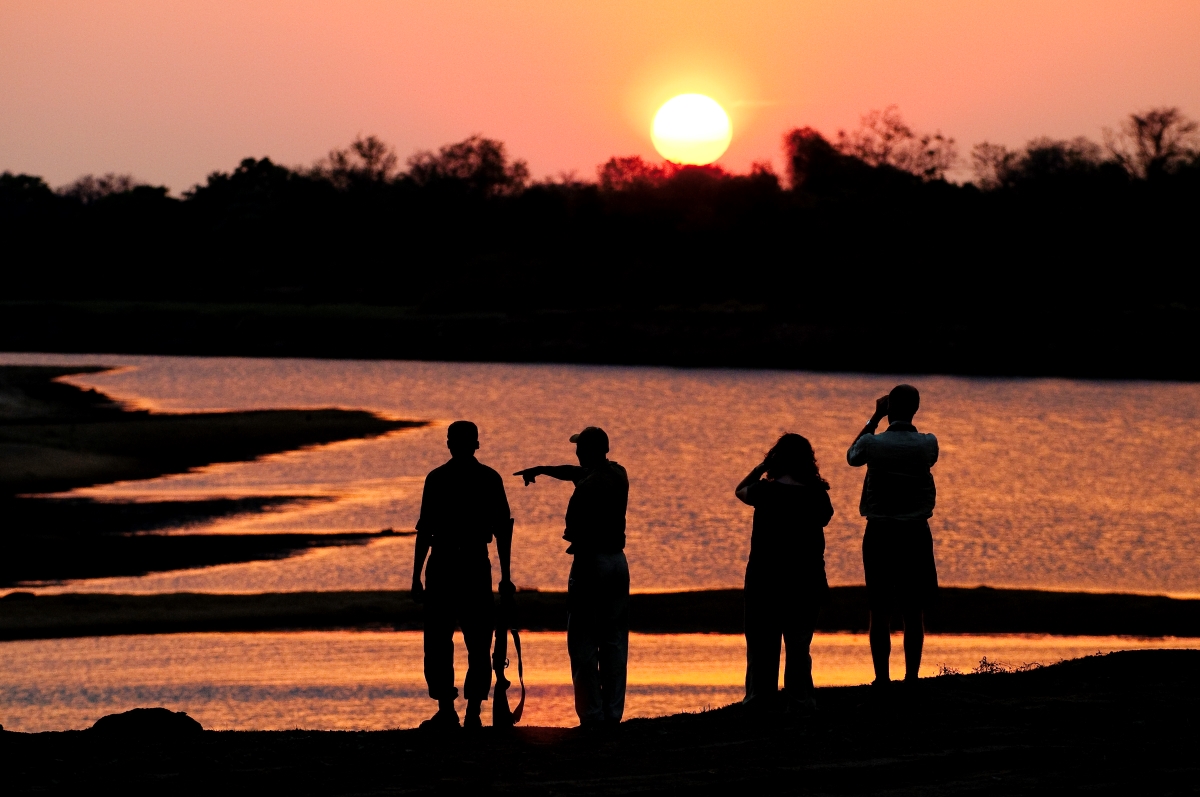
1112, 724
980, 610
725, 336
55, 437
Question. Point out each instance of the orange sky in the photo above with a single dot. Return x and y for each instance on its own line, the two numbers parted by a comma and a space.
172, 89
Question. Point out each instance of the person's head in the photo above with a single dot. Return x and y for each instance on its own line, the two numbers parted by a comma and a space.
903, 402
591, 446
792, 455
462, 438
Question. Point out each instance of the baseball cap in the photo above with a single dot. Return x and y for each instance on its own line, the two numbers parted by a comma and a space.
592, 437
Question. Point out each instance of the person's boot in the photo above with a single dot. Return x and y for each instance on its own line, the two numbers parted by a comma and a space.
803, 704
473, 721
446, 718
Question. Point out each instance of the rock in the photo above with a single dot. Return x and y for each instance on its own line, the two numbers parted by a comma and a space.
18, 596
158, 722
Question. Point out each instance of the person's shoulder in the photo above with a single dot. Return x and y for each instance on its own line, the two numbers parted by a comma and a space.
757, 492
862, 445
440, 472
813, 490
489, 473
618, 472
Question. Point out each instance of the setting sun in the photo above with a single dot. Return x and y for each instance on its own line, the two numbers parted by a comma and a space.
691, 129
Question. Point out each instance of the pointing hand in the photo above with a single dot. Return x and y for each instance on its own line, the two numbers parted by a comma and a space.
529, 475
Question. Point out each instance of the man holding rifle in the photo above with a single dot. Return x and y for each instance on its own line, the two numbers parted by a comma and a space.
462, 508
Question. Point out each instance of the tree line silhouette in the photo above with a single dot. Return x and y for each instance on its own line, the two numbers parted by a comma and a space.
1070, 236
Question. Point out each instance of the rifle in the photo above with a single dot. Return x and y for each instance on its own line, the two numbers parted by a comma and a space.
502, 717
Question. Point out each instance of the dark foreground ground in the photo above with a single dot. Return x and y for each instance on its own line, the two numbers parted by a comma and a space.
980, 610
1125, 723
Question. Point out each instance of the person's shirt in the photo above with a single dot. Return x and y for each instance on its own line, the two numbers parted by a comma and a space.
596, 512
898, 484
463, 506
789, 522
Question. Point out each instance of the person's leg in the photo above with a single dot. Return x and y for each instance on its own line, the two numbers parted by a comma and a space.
439, 654
582, 646
798, 633
914, 641
476, 619
613, 661
920, 587
877, 566
585, 672
613, 653
763, 642
880, 635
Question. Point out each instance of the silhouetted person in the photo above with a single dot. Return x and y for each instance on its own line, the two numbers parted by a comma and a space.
785, 577
598, 588
462, 508
897, 501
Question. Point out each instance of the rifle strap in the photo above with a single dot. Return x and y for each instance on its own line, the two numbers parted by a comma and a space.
516, 715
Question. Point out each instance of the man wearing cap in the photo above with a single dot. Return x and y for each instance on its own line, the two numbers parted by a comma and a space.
598, 587
897, 500
462, 508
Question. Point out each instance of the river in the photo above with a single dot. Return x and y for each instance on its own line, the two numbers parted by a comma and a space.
1042, 483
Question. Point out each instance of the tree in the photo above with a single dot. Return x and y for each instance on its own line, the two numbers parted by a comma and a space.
883, 138
808, 154
366, 160
1048, 157
478, 164
622, 174
90, 188
1043, 161
20, 189
1154, 143
995, 165
817, 167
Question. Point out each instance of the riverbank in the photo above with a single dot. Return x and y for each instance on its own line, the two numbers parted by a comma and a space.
957, 611
56, 437
1115, 724
731, 334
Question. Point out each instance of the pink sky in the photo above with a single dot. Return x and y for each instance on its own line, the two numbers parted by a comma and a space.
169, 90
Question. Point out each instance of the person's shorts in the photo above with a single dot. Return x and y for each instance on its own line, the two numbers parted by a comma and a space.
459, 589
898, 560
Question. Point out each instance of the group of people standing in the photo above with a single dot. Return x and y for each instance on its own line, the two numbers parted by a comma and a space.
464, 507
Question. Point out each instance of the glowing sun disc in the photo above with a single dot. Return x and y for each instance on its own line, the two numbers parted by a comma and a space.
691, 129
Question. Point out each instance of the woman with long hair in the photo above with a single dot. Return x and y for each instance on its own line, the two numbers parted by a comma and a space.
785, 577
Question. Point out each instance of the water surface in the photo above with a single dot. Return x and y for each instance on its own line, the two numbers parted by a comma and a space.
372, 680
1048, 483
